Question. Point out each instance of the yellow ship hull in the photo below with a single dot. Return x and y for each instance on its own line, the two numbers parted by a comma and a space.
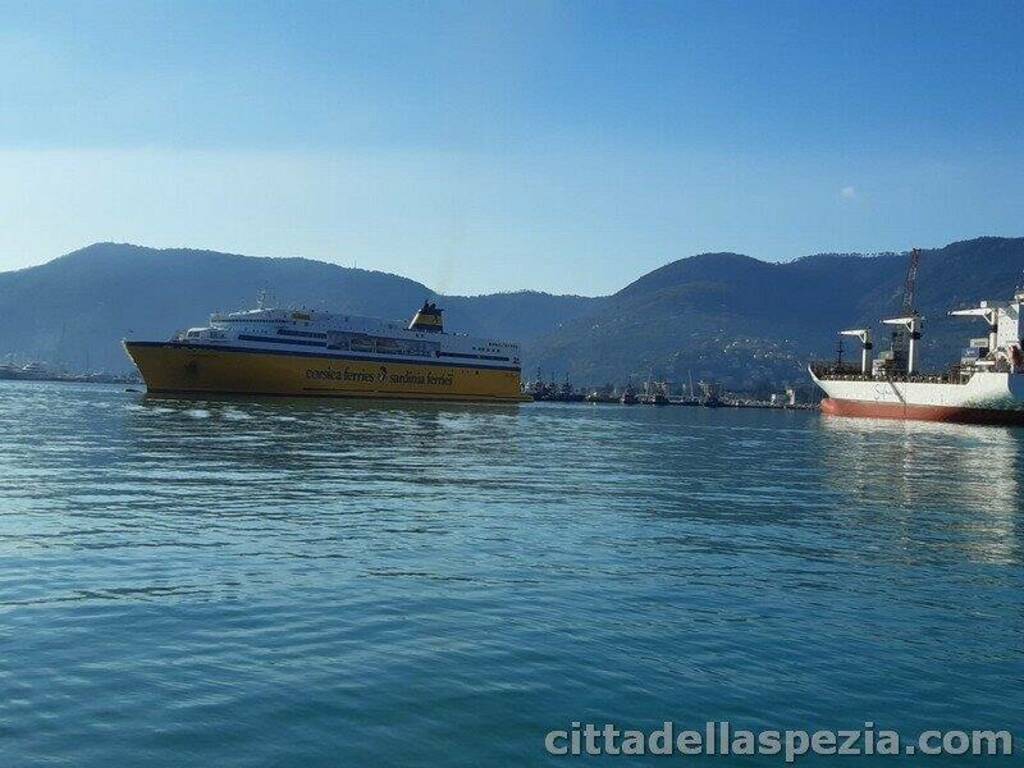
168, 367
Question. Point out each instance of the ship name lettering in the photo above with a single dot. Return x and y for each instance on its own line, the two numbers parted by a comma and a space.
407, 378
333, 374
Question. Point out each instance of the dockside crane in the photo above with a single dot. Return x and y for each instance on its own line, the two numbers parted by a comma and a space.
908, 332
910, 286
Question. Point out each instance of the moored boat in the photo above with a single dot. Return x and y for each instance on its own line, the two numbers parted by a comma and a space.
985, 387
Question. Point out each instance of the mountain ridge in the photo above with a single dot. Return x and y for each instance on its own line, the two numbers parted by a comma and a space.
720, 315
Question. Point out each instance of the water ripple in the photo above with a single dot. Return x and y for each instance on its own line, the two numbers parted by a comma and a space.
252, 582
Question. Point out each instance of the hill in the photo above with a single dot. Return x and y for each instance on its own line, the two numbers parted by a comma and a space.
74, 310
750, 323
723, 316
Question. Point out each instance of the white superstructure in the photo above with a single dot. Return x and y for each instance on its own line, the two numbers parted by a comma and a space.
367, 338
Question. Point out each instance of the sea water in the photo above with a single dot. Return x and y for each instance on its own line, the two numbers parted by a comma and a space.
320, 583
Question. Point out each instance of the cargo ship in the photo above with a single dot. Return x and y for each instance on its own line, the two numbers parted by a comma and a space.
985, 387
272, 351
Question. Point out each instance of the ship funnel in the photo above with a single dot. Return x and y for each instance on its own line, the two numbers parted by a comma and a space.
864, 334
428, 318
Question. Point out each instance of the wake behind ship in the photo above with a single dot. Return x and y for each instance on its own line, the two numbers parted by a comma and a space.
323, 354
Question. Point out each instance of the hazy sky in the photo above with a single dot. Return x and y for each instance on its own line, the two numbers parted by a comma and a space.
476, 147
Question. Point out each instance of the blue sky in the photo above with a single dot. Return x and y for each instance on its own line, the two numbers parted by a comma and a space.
481, 146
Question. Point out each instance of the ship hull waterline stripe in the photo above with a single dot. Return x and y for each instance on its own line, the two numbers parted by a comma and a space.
355, 394
906, 412
325, 355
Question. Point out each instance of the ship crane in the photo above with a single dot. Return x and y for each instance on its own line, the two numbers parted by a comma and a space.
864, 335
910, 328
910, 286
989, 312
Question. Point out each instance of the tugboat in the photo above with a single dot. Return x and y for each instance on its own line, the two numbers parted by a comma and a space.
567, 393
709, 397
655, 393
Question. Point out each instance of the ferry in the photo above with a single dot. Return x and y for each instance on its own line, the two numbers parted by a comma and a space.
273, 351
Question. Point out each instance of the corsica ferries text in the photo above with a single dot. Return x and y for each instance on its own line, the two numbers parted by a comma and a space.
381, 376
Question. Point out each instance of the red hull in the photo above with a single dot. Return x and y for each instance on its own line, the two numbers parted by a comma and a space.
864, 409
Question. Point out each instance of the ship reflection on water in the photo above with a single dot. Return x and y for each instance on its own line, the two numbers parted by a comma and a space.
912, 470
919, 487
317, 447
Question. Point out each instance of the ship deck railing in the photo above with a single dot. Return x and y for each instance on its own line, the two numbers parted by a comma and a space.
842, 372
